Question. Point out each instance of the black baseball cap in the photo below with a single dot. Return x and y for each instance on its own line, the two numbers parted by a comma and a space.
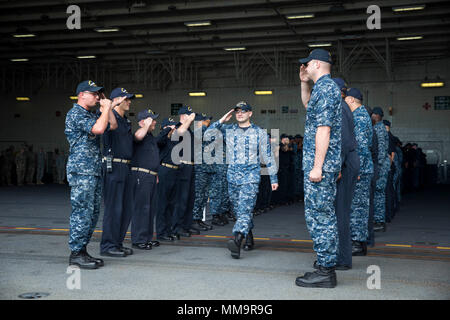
144, 114
317, 54
244, 106
88, 85
121, 92
355, 93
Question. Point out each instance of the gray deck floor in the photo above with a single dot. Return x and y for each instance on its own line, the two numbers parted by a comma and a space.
413, 256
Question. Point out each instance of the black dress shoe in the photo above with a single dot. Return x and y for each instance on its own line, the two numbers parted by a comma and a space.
359, 248
142, 246
217, 221
82, 261
128, 251
322, 278
341, 267
115, 252
194, 230
175, 236
165, 238
249, 242
184, 233
154, 243
234, 245
98, 261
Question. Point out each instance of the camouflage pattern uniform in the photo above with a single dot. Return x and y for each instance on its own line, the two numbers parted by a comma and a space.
359, 214
398, 160
244, 169
40, 166
83, 175
324, 109
31, 166
60, 164
21, 165
384, 165
218, 193
204, 174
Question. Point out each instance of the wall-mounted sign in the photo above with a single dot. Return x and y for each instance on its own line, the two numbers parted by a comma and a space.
293, 111
285, 109
174, 107
442, 103
263, 111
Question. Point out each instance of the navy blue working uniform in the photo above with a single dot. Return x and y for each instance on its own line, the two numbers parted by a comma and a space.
118, 144
373, 184
185, 186
83, 171
167, 173
144, 172
346, 185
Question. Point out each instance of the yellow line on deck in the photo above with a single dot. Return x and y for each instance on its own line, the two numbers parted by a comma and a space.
18, 228
301, 240
261, 238
398, 245
443, 248
215, 236
59, 229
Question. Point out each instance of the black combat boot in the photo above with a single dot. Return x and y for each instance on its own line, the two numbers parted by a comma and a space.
224, 219
359, 248
98, 261
201, 225
217, 221
81, 260
249, 242
322, 278
230, 216
379, 226
234, 245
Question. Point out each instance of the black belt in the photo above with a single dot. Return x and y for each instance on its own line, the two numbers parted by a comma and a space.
144, 170
171, 166
118, 160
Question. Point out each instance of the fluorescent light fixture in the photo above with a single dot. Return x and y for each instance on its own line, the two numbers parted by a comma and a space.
138, 95
235, 48
197, 23
18, 59
155, 52
139, 4
432, 84
24, 35
73, 98
263, 92
408, 8
300, 16
410, 38
318, 45
107, 29
85, 57
197, 94
22, 99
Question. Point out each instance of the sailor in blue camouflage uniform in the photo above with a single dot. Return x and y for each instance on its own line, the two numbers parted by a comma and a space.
204, 172
398, 160
83, 128
359, 214
384, 165
245, 142
219, 203
321, 164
